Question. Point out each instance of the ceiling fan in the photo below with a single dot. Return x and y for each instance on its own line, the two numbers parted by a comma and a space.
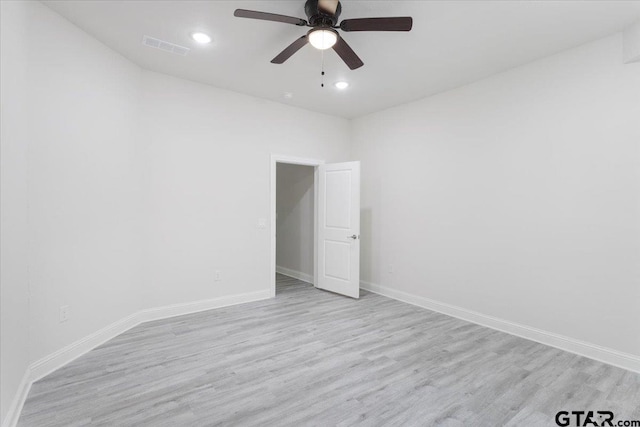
323, 19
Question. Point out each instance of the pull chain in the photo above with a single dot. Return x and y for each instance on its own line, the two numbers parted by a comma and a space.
322, 70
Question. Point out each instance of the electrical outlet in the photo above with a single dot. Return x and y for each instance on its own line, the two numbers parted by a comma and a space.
218, 276
390, 268
65, 313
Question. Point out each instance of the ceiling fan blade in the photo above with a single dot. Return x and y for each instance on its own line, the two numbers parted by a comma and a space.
329, 6
347, 54
290, 50
400, 23
253, 14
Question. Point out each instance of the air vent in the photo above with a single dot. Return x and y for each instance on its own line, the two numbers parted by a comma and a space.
166, 46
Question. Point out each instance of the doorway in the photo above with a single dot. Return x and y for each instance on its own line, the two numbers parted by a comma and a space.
298, 179
295, 205
336, 225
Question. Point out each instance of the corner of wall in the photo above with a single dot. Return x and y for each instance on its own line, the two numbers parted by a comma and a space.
54, 361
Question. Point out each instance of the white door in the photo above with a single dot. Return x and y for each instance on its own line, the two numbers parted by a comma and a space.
339, 228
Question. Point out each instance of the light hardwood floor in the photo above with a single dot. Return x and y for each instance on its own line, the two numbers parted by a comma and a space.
310, 357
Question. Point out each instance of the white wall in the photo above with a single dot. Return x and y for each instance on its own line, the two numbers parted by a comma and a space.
208, 171
138, 186
517, 196
84, 183
131, 188
294, 224
14, 291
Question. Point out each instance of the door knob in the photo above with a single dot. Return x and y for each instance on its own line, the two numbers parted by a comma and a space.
354, 237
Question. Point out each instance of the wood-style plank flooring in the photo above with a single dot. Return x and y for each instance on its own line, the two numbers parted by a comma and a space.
310, 357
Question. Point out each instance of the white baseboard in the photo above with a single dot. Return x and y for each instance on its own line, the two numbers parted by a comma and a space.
59, 358
203, 305
11, 419
295, 274
44, 366
592, 351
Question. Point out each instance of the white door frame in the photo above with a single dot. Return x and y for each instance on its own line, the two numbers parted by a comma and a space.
275, 159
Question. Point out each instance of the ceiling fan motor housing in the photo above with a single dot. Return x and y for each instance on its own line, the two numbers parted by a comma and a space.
323, 17
319, 18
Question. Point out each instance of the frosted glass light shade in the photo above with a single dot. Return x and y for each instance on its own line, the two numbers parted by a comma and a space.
323, 39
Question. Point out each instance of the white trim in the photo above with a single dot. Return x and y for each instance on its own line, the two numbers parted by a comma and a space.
59, 358
11, 419
592, 351
202, 305
275, 159
295, 274
46, 365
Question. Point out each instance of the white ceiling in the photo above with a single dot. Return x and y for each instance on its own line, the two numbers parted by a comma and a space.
452, 43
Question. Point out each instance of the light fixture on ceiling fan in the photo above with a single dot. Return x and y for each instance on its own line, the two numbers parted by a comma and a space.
323, 19
322, 39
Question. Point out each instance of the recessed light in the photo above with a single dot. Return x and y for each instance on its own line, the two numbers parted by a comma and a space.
288, 95
201, 38
341, 85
